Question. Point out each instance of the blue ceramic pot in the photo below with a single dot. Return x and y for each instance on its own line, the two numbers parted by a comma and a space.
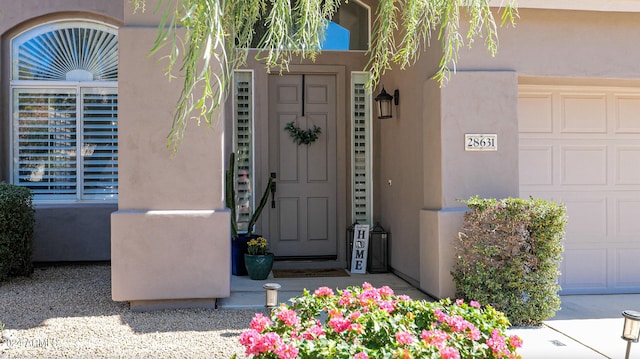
258, 266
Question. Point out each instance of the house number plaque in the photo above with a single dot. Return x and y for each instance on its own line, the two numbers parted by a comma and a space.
480, 142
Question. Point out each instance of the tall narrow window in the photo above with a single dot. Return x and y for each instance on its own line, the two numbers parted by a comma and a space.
243, 146
65, 111
361, 197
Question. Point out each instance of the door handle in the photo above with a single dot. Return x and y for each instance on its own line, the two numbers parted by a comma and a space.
273, 191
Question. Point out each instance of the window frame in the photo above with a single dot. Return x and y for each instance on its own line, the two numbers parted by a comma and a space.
79, 88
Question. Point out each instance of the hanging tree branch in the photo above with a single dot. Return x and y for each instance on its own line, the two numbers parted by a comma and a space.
217, 34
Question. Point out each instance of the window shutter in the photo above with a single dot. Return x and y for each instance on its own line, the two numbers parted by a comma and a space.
361, 144
100, 143
243, 146
45, 141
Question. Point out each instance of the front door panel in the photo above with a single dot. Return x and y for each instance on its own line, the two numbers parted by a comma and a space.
303, 222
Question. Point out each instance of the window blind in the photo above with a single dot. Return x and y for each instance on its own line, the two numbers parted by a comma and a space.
100, 143
361, 198
45, 141
243, 146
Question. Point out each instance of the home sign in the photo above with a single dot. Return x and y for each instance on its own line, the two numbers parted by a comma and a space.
360, 248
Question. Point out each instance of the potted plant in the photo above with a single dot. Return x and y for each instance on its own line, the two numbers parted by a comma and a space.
239, 240
258, 260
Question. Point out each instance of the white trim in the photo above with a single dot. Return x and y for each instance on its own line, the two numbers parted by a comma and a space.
585, 5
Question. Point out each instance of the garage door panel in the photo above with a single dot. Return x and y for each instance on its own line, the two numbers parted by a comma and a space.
584, 165
583, 113
627, 113
536, 113
587, 219
627, 267
627, 165
536, 165
584, 268
628, 219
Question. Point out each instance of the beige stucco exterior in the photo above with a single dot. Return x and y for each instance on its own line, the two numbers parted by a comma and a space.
168, 237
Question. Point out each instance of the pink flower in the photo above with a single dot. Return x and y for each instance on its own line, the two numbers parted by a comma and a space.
387, 306
404, 338
368, 296
437, 337
249, 339
473, 303
355, 315
339, 325
314, 332
260, 322
404, 298
515, 341
385, 291
346, 299
449, 353
440, 315
367, 285
288, 317
457, 323
498, 344
459, 301
474, 333
323, 292
286, 351
361, 355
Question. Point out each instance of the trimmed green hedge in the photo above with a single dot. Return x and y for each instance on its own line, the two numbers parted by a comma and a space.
507, 255
17, 219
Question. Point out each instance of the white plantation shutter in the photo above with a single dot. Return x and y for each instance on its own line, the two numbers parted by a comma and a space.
361, 144
45, 141
100, 143
65, 111
243, 146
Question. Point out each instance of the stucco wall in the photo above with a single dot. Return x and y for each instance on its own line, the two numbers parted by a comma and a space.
63, 232
561, 43
170, 236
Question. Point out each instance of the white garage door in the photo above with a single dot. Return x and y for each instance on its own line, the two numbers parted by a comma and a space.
580, 146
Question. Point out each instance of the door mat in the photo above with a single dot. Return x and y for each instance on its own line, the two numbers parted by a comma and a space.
301, 273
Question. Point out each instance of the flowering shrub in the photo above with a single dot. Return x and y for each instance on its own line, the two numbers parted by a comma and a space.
367, 322
257, 246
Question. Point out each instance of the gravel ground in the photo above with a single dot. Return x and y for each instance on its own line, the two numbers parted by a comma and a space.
67, 312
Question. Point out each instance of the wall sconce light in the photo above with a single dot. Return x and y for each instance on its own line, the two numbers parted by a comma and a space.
271, 294
384, 103
631, 329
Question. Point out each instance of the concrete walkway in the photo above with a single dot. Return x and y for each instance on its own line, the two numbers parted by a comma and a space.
587, 326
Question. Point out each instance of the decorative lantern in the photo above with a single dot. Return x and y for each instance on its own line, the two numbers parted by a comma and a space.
631, 329
385, 109
378, 261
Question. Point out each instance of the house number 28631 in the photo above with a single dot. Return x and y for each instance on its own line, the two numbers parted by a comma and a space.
480, 142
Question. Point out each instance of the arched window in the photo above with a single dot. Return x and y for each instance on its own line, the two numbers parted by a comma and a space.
65, 111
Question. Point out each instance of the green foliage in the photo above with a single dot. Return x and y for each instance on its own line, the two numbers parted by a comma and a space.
366, 322
231, 199
508, 254
218, 33
17, 219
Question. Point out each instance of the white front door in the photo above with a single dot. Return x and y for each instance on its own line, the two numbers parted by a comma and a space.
304, 212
